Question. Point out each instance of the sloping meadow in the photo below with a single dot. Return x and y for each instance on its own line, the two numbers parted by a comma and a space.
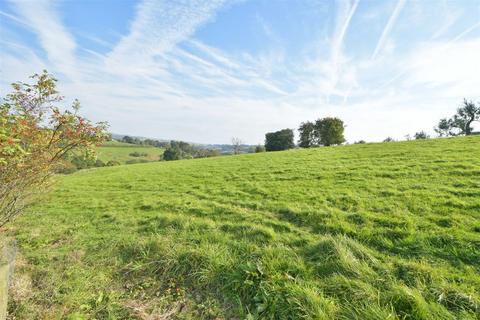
373, 231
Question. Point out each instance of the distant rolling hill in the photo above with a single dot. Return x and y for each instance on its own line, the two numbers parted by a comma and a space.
125, 152
222, 148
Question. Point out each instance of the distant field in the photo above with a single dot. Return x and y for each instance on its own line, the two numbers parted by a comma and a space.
120, 151
373, 231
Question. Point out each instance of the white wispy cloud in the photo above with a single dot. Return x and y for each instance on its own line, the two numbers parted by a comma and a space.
331, 74
158, 27
388, 27
42, 19
441, 48
453, 70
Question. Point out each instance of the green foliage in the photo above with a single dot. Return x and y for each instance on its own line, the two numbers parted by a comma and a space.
259, 148
371, 231
138, 154
144, 142
173, 153
307, 135
461, 122
422, 135
329, 131
134, 161
324, 132
99, 163
82, 162
279, 140
178, 150
113, 163
66, 167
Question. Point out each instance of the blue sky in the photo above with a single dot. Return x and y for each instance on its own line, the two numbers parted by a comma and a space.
207, 71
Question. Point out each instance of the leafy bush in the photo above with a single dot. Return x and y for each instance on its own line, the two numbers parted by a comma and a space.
35, 135
421, 135
65, 167
259, 149
133, 161
82, 162
138, 154
112, 163
99, 163
178, 150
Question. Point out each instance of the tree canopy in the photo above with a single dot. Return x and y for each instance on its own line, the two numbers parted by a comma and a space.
279, 140
326, 131
178, 150
329, 131
307, 135
461, 122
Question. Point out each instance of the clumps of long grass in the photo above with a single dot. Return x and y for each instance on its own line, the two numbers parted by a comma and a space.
333, 277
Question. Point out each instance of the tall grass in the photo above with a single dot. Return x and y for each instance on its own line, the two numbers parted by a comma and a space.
373, 231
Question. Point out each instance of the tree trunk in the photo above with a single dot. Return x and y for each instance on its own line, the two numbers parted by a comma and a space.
468, 128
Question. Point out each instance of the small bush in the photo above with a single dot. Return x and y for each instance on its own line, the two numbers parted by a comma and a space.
421, 135
112, 163
66, 167
99, 163
138, 154
259, 148
82, 162
133, 161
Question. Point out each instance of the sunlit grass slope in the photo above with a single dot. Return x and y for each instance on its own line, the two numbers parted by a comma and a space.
375, 231
121, 152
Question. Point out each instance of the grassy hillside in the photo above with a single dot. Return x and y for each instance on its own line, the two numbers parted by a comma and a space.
120, 151
375, 231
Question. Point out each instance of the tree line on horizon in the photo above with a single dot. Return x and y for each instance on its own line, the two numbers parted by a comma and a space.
329, 131
326, 132
178, 150
323, 132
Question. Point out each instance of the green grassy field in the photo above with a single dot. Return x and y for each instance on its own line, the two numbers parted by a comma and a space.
374, 231
120, 151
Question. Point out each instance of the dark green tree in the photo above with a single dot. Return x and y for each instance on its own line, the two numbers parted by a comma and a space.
178, 150
128, 139
329, 131
461, 122
173, 153
259, 148
307, 135
421, 135
279, 140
